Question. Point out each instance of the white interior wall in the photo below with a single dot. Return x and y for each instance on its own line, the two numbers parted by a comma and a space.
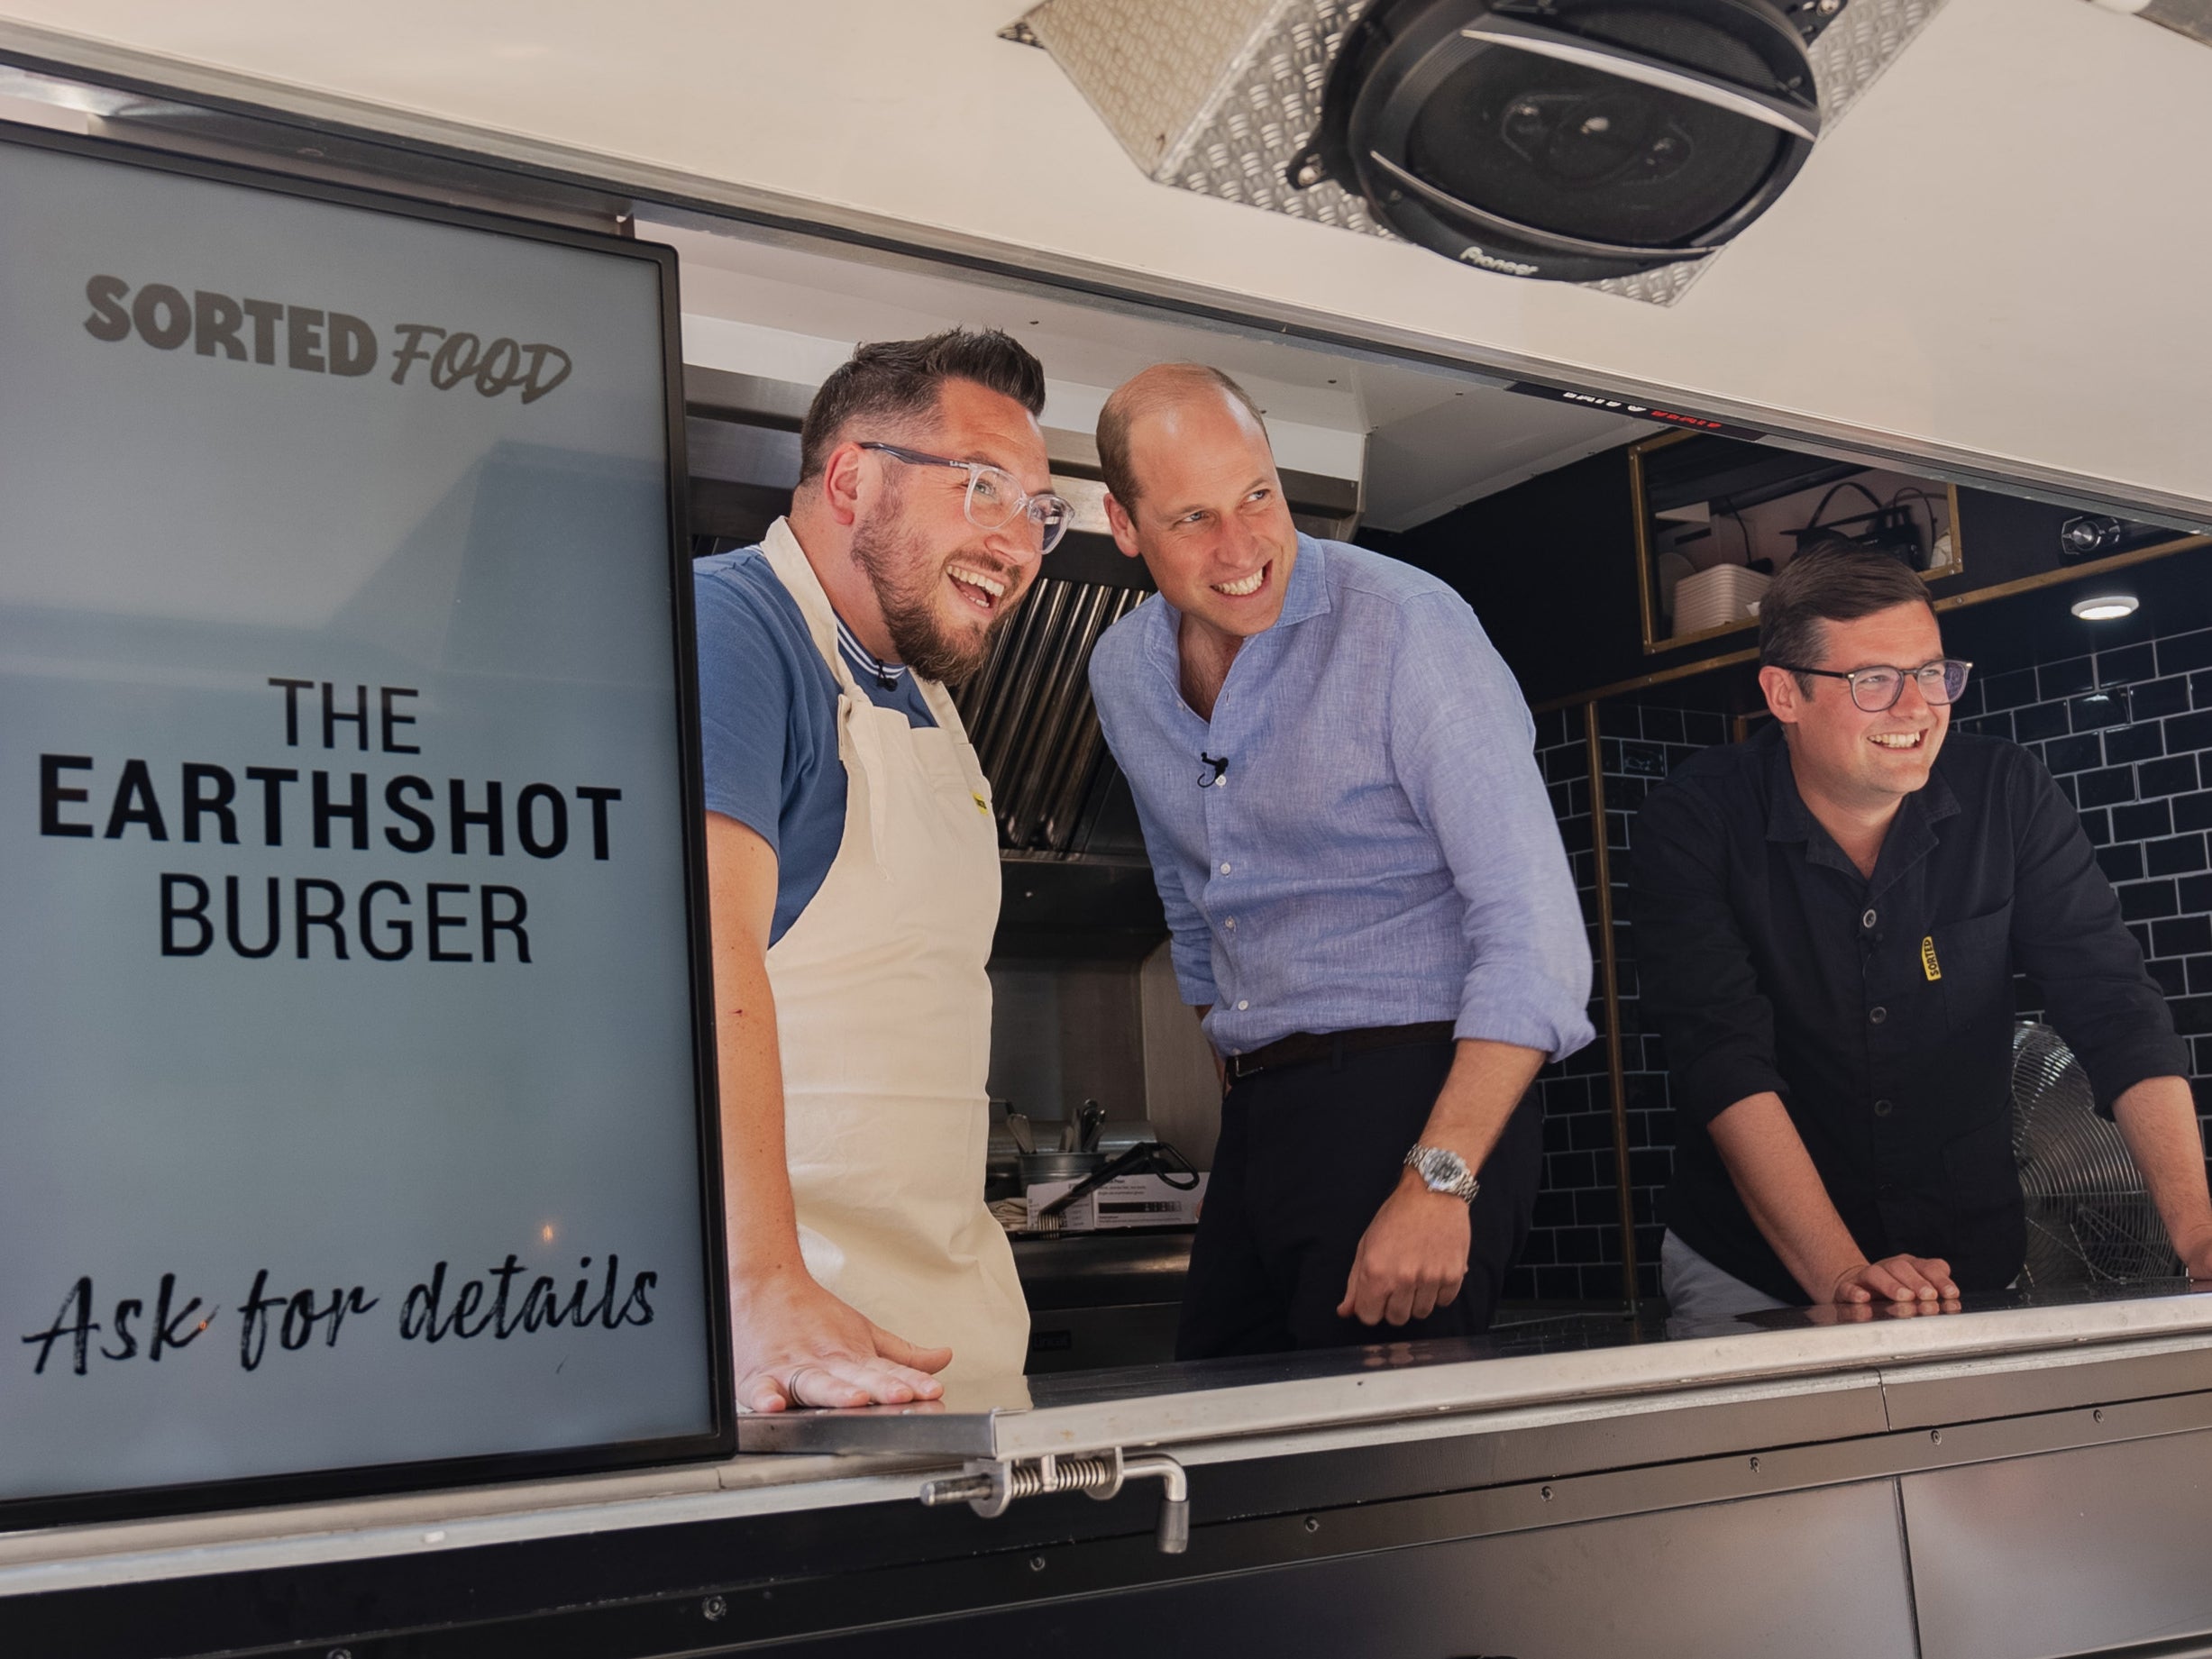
2000, 251
1424, 439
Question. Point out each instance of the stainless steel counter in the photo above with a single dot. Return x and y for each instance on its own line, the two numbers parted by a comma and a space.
2024, 1476
1588, 1361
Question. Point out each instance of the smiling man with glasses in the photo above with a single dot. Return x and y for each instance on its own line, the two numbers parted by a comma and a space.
1828, 921
852, 863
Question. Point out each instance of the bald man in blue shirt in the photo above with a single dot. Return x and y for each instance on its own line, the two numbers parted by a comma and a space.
1368, 897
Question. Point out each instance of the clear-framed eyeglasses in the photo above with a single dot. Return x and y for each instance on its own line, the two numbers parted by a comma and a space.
994, 498
1875, 690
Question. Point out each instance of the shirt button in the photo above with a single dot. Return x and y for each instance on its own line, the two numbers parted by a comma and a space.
1876, 1016
1230, 924
1882, 1109
1227, 867
1867, 920
1241, 1006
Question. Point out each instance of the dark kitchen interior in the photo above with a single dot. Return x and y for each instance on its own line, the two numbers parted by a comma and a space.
2119, 710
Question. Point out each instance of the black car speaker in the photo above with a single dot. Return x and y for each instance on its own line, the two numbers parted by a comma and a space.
1570, 139
1575, 139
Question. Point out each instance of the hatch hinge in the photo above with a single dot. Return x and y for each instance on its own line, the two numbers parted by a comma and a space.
987, 1485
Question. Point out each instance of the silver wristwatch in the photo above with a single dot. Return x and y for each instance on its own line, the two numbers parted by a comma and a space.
1443, 1171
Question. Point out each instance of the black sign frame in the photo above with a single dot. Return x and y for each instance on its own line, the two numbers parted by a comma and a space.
719, 1441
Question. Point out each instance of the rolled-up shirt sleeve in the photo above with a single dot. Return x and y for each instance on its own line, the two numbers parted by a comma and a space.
2068, 938
1695, 972
1464, 747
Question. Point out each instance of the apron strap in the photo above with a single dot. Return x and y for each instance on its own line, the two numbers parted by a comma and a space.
789, 561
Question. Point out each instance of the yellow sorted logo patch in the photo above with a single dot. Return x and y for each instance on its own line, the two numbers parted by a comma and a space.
1928, 964
981, 805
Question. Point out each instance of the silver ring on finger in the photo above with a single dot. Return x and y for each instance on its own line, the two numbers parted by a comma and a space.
791, 1383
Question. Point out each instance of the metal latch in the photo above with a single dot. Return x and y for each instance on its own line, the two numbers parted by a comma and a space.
987, 1485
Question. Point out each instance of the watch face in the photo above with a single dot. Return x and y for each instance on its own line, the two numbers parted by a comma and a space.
1443, 1171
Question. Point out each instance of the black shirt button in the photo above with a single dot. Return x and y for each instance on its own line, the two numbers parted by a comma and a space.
1867, 920
1876, 1016
1882, 1109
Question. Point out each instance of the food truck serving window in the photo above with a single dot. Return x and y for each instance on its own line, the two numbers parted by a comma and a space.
353, 1115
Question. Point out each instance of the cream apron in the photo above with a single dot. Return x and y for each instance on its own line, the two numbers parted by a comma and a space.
884, 1017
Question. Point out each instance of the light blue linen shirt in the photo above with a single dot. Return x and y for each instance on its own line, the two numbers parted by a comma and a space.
1380, 850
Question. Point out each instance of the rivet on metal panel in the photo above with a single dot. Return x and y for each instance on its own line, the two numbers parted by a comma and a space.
1935, 1437
714, 1607
1314, 1523
1755, 1465
2098, 1415
341, 1653
1547, 1494
1037, 1564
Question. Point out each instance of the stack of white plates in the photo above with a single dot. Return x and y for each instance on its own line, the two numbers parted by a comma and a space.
1724, 594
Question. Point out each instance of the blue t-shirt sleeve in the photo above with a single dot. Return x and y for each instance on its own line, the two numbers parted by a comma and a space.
746, 697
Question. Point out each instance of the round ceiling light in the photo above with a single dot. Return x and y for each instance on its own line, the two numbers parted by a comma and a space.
2104, 606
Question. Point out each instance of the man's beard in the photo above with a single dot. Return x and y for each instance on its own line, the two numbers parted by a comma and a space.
905, 584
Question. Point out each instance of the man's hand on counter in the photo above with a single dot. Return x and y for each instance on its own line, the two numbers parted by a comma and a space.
798, 1345
1412, 1259
1861, 1313
1896, 1279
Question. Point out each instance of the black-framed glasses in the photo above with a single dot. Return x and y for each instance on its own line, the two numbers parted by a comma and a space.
995, 498
1875, 690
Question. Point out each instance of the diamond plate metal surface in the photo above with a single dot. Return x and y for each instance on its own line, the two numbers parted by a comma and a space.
1217, 97
1221, 97
1156, 70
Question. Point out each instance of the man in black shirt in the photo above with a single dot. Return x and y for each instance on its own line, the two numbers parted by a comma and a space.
1828, 920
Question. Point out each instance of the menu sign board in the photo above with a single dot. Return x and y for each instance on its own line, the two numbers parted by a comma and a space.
354, 1109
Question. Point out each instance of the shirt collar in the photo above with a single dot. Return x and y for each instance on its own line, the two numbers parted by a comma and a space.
1911, 836
865, 661
1308, 592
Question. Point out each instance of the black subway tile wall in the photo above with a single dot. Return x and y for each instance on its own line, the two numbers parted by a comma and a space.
1574, 1249
2137, 758
2127, 733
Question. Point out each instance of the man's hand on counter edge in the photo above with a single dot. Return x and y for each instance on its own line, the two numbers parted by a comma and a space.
1895, 1278
1412, 1259
797, 1344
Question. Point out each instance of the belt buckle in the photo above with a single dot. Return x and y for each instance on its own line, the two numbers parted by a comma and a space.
1241, 1067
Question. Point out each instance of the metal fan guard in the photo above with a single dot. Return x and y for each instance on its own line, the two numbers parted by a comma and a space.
2089, 1216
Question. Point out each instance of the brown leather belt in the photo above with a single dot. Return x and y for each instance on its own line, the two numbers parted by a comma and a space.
1303, 1048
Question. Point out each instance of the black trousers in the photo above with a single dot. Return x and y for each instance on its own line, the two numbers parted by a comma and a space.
1306, 1157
